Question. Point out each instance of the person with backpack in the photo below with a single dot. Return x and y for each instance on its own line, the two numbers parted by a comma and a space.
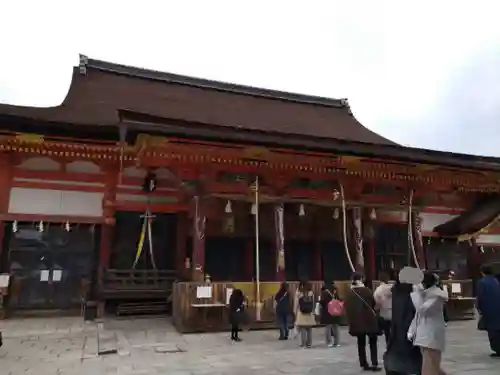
304, 313
331, 314
283, 310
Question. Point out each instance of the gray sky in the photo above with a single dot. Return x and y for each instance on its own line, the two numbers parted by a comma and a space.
422, 73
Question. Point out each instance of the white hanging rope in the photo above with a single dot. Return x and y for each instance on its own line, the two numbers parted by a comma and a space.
150, 235
410, 229
344, 229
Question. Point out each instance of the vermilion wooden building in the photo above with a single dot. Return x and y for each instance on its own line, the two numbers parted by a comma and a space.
73, 201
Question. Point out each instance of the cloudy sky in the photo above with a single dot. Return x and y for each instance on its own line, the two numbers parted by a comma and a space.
422, 73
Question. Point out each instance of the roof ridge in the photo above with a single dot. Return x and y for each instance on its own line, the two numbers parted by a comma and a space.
150, 74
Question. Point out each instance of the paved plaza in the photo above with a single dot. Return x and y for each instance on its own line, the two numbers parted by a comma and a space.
151, 346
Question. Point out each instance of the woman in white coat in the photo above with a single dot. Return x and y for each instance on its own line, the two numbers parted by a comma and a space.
427, 330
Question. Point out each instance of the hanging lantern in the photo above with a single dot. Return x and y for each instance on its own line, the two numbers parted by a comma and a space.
40, 226
253, 209
336, 213
373, 214
229, 209
14, 227
67, 227
302, 211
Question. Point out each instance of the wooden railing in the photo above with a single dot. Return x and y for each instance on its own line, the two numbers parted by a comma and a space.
134, 283
189, 314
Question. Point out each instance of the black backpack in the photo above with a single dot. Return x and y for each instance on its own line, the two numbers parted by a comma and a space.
306, 304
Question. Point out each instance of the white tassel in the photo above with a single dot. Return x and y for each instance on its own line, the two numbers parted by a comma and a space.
253, 209
344, 229
228, 207
302, 211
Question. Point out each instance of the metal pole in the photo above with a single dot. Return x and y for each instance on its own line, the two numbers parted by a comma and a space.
257, 250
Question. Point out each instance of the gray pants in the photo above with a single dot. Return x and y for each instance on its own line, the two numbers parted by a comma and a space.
332, 331
305, 336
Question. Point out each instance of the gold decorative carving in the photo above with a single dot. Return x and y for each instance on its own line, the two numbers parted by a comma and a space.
146, 140
29, 138
256, 152
350, 159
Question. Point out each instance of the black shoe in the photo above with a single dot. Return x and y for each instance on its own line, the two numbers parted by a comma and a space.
375, 368
366, 368
495, 355
237, 339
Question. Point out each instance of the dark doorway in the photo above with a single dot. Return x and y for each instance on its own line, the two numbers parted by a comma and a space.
335, 263
298, 265
127, 233
391, 247
225, 258
50, 269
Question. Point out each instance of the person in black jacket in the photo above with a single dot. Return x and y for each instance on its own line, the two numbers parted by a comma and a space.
236, 311
401, 356
331, 322
283, 310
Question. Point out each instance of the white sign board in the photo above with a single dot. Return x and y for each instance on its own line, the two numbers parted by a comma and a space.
56, 275
456, 288
204, 292
4, 280
44, 275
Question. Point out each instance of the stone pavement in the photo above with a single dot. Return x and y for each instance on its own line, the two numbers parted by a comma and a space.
150, 346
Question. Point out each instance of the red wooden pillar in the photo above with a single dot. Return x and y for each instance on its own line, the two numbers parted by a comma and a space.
371, 274
249, 259
107, 229
5, 186
109, 202
181, 245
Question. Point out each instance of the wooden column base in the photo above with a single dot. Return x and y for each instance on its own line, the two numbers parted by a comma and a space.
101, 309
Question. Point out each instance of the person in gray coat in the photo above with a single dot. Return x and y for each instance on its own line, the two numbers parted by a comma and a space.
428, 327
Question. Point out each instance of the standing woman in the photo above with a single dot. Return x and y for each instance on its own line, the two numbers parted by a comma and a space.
428, 326
283, 310
304, 313
236, 312
330, 322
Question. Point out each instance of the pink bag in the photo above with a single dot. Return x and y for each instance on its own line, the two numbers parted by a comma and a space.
335, 307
